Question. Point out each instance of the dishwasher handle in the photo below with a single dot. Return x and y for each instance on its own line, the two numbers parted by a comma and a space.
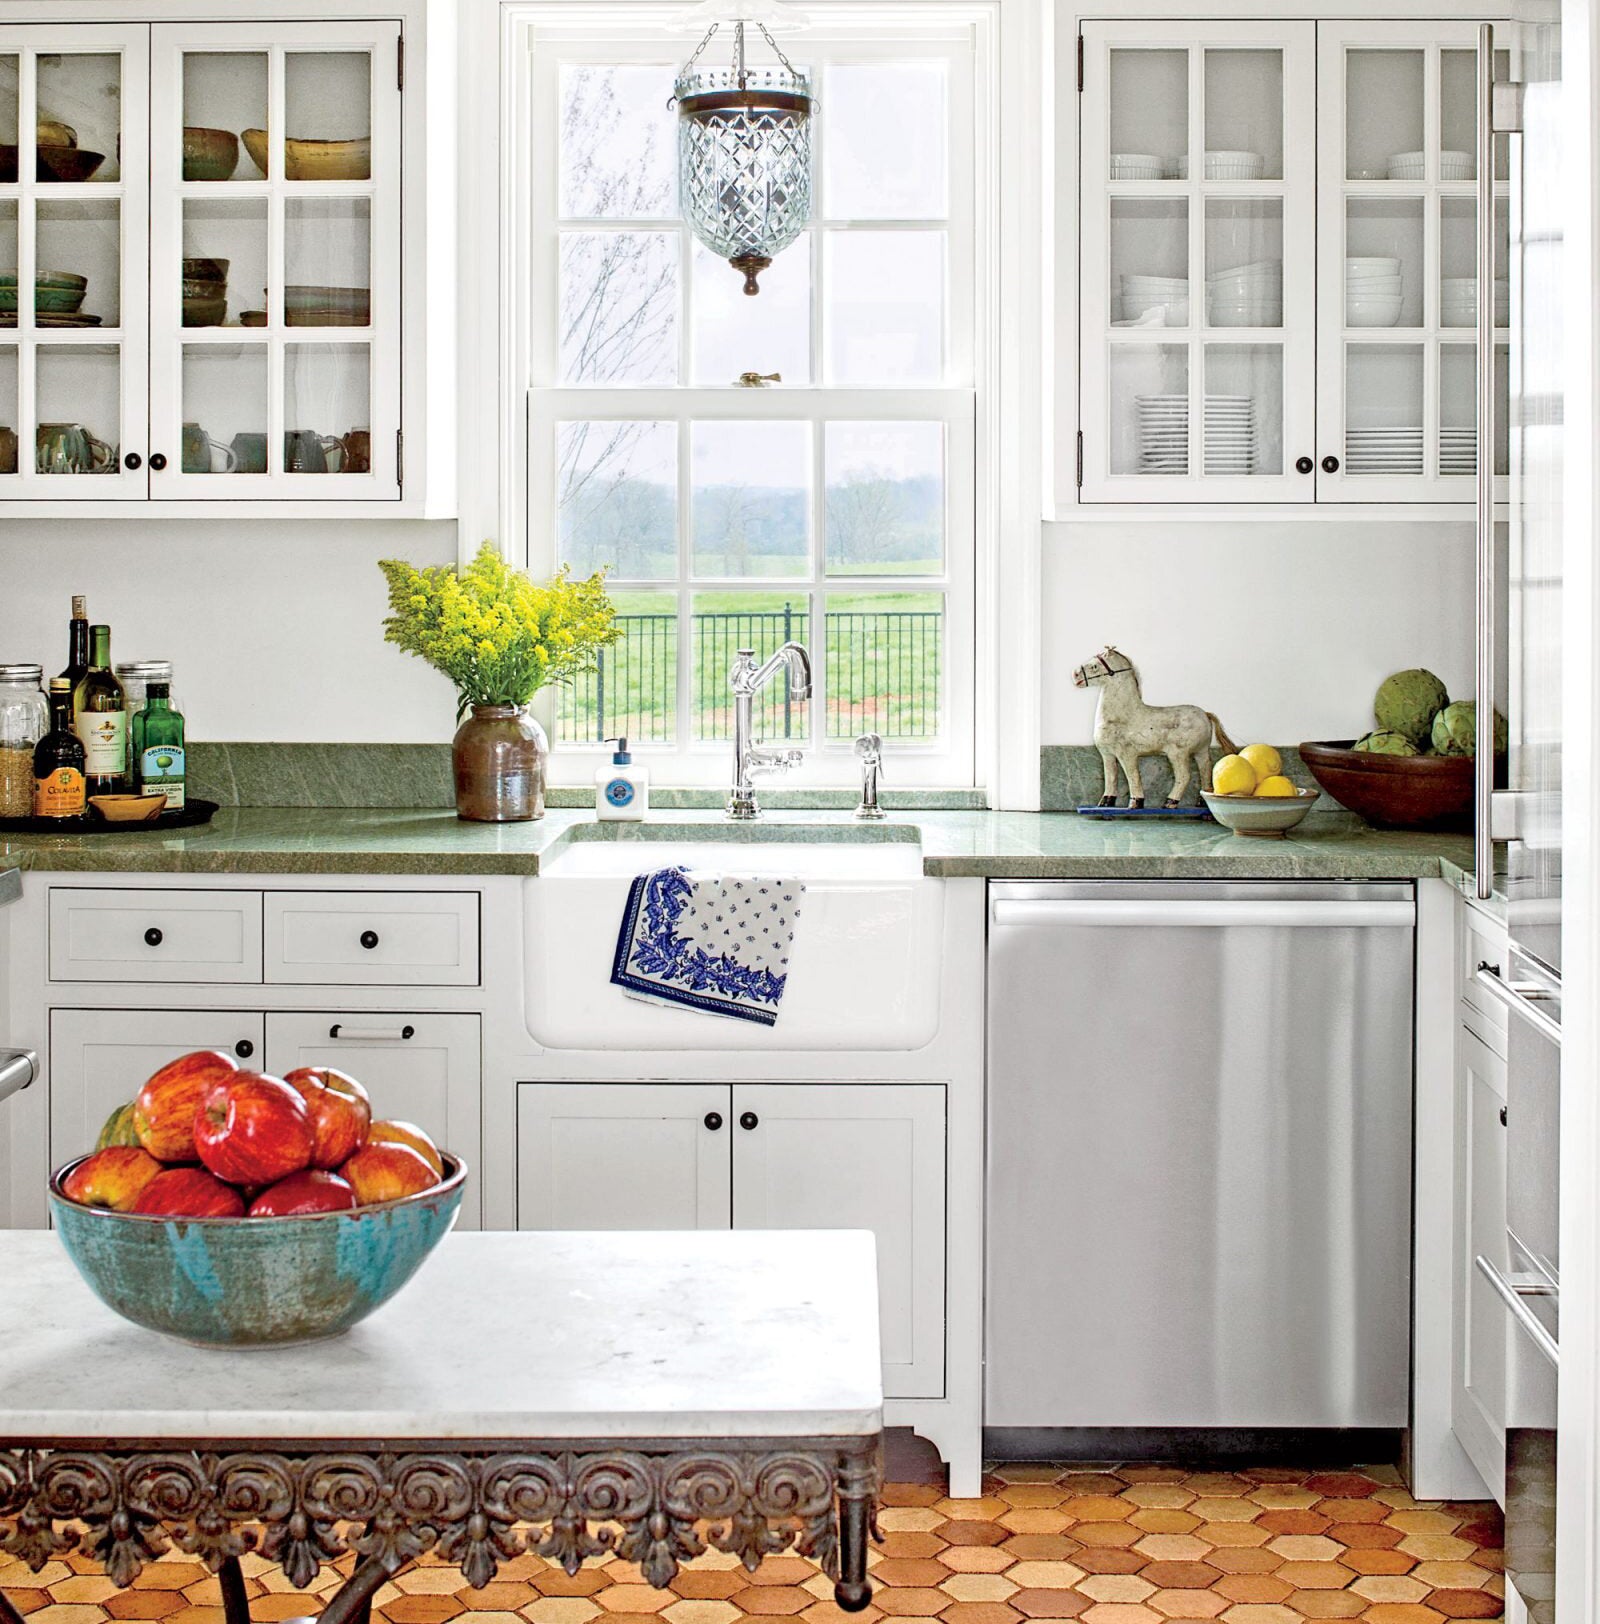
1176, 913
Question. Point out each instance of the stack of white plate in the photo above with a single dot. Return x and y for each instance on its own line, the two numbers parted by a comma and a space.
1228, 165
1230, 434
1168, 294
1138, 166
1458, 450
1246, 296
1371, 291
1458, 301
1383, 451
1453, 165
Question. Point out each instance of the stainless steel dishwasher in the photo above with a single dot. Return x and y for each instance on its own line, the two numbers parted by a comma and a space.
1199, 1155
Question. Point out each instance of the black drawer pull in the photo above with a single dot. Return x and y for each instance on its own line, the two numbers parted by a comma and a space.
372, 1034
152, 937
244, 1048
369, 939
749, 1120
713, 1120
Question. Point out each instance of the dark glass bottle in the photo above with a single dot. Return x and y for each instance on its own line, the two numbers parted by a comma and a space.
77, 643
101, 710
158, 753
59, 790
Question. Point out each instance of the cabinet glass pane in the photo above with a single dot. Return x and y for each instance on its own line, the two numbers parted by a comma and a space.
78, 259
1383, 266
1383, 410
1458, 114
1149, 267
1244, 262
618, 142
883, 147
78, 408
80, 117
633, 689
1458, 409
730, 334
883, 656
327, 108
1149, 409
327, 262
224, 93
618, 503
724, 623
1383, 115
10, 69
8, 263
10, 416
1149, 107
326, 405
224, 409
885, 498
1458, 262
224, 264
619, 307
1244, 114
885, 307
1243, 425
749, 500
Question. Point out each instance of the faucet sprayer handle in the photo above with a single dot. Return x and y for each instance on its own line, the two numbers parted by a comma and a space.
870, 748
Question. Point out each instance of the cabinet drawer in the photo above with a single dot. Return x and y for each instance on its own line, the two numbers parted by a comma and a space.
372, 938
1482, 940
108, 935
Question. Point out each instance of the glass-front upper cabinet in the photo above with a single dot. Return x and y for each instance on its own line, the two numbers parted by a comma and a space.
275, 261
73, 171
1398, 286
1197, 268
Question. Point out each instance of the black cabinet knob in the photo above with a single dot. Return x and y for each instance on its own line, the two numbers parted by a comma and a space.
1330, 465
1502, 1116
132, 460
713, 1120
157, 461
748, 1120
369, 938
1303, 465
152, 937
244, 1048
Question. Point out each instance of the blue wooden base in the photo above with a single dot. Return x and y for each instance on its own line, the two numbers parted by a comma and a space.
1195, 814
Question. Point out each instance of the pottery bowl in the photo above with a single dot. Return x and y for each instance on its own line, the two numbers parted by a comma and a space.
314, 160
55, 293
205, 270
129, 808
71, 164
255, 1282
209, 154
1394, 792
1269, 815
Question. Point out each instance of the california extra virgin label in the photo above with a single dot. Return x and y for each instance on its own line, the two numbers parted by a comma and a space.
105, 741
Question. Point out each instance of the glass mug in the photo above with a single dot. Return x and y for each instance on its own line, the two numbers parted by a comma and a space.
203, 455
69, 448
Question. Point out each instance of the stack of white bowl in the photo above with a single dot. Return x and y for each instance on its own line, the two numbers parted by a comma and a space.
1458, 301
1453, 165
1138, 166
1371, 291
1168, 294
1247, 295
1228, 165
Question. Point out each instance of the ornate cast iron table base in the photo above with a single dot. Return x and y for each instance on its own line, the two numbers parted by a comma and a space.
655, 1503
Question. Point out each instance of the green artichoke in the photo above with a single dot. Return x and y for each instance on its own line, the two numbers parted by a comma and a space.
1455, 730
1386, 742
1407, 703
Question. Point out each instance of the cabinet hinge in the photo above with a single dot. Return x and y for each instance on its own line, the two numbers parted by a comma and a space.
400, 63
1080, 459
1080, 62
399, 457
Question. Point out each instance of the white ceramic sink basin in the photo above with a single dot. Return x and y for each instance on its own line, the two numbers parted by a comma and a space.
865, 967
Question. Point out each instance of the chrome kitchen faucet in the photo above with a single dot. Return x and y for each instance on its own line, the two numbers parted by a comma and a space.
746, 679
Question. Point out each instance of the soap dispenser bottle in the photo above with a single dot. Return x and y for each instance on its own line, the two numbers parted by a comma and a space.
621, 791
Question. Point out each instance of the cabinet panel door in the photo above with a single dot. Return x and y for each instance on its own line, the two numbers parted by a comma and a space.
857, 1156
623, 1156
99, 1058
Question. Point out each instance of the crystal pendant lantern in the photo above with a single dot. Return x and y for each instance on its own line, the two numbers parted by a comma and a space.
744, 154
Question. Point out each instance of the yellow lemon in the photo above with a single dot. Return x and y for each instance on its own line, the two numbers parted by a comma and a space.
1233, 775
1275, 784
1266, 761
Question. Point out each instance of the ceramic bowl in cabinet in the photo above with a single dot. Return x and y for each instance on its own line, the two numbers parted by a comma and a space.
209, 154
1383, 312
1137, 166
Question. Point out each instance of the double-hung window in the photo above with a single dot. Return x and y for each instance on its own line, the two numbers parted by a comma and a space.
831, 496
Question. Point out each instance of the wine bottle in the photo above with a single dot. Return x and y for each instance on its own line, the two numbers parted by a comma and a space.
77, 643
101, 709
58, 784
158, 745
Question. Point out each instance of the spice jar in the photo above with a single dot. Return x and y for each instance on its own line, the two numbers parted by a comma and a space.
24, 720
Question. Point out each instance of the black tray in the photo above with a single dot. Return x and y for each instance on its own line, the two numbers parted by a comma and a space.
194, 813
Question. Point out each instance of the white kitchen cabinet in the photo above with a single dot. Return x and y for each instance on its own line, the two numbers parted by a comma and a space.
371, 938
146, 935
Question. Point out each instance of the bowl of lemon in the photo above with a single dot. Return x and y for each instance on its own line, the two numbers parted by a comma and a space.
1251, 796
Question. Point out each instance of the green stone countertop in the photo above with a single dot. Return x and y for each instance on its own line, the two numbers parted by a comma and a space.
1000, 845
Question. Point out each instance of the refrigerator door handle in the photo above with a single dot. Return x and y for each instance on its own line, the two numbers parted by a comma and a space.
1511, 1294
1522, 998
1483, 778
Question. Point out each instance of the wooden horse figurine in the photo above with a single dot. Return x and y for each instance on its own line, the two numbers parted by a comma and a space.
1125, 728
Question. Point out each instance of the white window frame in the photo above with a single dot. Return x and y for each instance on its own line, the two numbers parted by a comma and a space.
534, 38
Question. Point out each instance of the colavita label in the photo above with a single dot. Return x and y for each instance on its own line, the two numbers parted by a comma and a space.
105, 742
61, 795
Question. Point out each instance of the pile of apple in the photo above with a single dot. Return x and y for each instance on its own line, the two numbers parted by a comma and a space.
204, 1139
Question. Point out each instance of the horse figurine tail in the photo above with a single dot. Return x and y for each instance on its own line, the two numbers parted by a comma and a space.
1227, 745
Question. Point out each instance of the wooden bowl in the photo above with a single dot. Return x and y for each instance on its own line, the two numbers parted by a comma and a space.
129, 808
1394, 792
66, 163
209, 154
314, 160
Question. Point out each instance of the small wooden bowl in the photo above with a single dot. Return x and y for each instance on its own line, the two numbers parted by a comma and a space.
129, 808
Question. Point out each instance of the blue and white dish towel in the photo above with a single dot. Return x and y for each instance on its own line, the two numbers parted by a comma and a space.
713, 942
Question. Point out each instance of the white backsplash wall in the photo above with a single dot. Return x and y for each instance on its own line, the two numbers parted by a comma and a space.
1283, 629
273, 626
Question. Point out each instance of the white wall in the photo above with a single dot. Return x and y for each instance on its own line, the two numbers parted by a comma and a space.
273, 626
1283, 629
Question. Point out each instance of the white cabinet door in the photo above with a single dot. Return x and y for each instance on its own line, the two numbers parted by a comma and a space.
857, 1156
99, 1058
1482, 1326
623, 1156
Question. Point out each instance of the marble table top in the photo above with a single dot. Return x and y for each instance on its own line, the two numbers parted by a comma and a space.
703, 1334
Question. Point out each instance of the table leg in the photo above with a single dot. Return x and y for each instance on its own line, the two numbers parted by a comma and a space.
352, 1602
8, 1613
852, 1592
235, 1602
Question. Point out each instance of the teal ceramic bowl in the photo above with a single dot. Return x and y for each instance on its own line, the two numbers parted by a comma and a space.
255, 1282
57, 293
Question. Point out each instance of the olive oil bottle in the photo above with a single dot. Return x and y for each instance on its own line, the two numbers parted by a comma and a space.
58, 787
100, 708
158, 746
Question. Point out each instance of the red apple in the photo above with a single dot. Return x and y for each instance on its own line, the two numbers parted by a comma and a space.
113, 1177
164, 1112
407, 1133
340, 1112
311, 1190
189, 1192
386, 1171
252, 1129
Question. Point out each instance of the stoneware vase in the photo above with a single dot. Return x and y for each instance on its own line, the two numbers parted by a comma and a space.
499, 754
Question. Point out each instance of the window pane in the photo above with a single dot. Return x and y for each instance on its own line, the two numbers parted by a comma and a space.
750, 498
885, 498
885, 316
619, 498
731, 333
724, 623
883, 655
633, 692
619, 307
618, 146
884, 141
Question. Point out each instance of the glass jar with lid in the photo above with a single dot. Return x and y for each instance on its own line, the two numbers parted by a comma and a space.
136, 677
24, 720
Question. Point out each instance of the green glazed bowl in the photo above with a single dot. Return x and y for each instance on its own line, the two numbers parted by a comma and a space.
57, 293
255, 1282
